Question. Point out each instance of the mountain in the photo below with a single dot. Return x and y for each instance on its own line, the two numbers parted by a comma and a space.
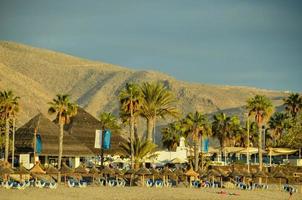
37, 75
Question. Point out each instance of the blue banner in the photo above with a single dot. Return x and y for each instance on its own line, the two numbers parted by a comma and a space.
107, 138
205, 145
38, 143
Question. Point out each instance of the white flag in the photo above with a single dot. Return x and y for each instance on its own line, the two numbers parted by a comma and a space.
98, 139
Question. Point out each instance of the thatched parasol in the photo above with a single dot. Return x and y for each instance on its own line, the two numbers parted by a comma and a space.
81, 169
6, 171
142, 172
107, 171
37, 169
179, 172
94, 170
51, 170
66, 170
279, 174
235, 173
191, 173
22, 170
130, 172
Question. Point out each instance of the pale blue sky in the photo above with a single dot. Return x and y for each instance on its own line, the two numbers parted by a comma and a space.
235, 42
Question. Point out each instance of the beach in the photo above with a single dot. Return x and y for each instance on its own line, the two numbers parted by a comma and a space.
94, 192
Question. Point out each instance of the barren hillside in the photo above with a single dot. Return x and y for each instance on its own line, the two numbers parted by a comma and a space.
36, 75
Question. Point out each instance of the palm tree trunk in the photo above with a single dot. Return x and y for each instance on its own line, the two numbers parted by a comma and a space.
131, 135
154, 130
60, 143
201, 157
6, 139
196, 156
13, 143
260, 150
149, 129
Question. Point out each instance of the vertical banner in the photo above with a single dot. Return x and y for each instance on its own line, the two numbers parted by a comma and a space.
38, 143
205, 145
107, 138
98, 139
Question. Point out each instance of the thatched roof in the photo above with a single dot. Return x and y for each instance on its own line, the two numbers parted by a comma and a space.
81, 169
107, 170
214, 173
49, 132
191, 172
179, 172
166, 172
51, 170
94, 170
130, 171
37, 169
279, 174
260, 174
83, 127
22, 170
235, 173
143, 171
65, 169
6, 170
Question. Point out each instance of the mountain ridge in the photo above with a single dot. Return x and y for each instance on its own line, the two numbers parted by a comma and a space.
36, 75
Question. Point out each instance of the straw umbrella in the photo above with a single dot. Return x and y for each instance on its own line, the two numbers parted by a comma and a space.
94, 172
191, 173
142, 172
107, 172
166, 172
261, 174
22, 171
280, 175
212, 173
81, 169
6, 171
154, 173
66, 170
130, 172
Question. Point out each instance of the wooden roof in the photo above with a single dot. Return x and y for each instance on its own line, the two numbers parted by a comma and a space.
49, 131
83, 127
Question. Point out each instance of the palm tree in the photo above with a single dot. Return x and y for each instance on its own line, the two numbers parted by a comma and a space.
157, 102
8, 106
197, 125
64, 110
143, 149
278, 123
293, 104
224, 128
171, 135
130, 100
261, 108
108, 121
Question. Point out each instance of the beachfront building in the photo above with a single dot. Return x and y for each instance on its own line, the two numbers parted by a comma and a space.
37, 140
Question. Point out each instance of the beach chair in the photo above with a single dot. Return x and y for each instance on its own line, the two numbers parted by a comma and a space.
102, 181
149, 183
159, 183
112, 182
76, 183
121, 182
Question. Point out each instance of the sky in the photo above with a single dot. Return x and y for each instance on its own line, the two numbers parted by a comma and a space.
254, 43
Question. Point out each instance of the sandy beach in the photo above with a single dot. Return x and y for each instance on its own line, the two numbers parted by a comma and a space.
94, 192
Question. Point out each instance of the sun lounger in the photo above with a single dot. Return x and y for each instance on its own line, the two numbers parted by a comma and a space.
76, 183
